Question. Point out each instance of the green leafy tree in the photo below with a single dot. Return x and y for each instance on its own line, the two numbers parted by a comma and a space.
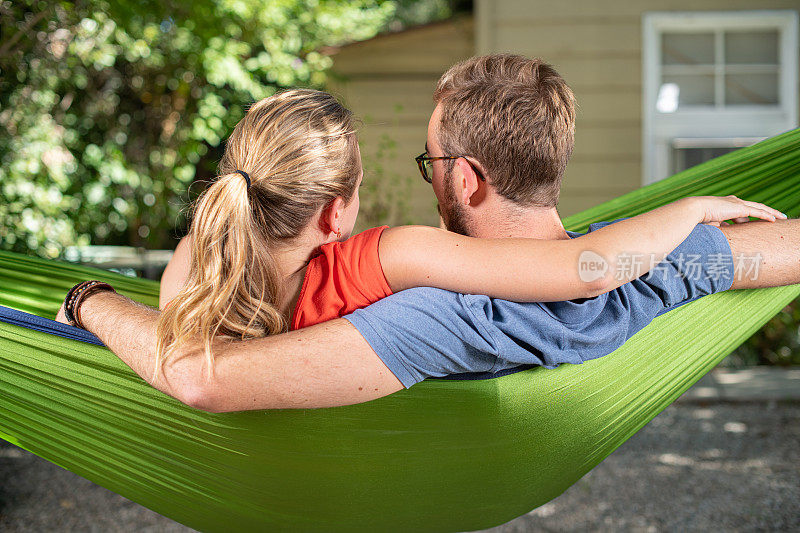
110, 110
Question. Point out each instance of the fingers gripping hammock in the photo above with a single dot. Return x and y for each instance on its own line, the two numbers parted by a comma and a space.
443, 455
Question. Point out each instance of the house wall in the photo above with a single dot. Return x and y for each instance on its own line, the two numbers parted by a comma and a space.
388, 82
597, 48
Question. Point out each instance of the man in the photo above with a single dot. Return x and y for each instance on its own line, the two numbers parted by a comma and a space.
498, 143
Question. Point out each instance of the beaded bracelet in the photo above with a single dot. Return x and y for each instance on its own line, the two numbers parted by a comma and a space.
69, 301
78, 294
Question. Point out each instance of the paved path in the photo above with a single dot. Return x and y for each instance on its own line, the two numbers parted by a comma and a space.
749, 384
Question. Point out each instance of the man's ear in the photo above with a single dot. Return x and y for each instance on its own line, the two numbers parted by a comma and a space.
330, 218
472, 189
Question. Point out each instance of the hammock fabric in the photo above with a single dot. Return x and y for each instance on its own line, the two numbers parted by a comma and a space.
443, 455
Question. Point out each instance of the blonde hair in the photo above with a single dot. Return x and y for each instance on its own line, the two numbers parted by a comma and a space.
300, 151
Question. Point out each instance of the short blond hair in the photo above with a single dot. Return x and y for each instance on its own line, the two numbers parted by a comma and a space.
514, 115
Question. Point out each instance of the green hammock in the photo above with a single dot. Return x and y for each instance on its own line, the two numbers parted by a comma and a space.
443, 455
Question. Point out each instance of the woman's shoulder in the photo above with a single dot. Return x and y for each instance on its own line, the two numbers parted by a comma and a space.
355, 261
365, 240
344, 276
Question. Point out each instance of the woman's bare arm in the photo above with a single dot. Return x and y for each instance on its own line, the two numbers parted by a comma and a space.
555, 270
175, 274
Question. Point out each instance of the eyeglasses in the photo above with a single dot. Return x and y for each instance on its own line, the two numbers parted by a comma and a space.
424, 162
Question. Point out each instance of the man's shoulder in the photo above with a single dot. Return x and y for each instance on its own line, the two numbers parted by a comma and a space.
594, 226
425, 293
420, 298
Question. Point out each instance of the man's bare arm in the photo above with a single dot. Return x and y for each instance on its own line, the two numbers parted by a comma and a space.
778, 246
325, 365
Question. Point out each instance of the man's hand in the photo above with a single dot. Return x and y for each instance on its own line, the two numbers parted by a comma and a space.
61, 317
716, 209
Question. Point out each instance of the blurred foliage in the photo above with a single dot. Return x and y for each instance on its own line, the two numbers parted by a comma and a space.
113, 108
777, 343
413, 13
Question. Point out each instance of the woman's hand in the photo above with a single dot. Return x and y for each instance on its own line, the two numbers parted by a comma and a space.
716, 209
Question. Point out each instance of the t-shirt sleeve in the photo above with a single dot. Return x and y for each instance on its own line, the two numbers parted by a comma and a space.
701, 265
426, 332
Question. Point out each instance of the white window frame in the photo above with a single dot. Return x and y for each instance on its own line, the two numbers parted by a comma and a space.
725, 124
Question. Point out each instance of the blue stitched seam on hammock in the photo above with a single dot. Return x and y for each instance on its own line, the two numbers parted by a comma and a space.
46, 325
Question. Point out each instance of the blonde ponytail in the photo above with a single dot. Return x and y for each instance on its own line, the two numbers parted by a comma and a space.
299, 150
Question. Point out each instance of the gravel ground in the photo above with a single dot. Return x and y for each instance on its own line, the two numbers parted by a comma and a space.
715, 467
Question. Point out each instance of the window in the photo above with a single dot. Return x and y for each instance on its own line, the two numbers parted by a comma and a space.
688, 152
714, 82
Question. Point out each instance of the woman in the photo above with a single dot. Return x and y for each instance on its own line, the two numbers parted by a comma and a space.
272, 247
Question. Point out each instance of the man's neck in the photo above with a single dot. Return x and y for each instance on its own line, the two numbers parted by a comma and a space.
530, 222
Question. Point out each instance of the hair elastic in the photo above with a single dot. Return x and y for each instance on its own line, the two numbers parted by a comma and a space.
245, 175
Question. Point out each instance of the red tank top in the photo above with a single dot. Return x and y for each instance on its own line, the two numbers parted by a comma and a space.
343, 277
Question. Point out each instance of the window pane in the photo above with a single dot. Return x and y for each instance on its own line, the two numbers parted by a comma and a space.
693, 89
752, 89
743, 48
683, 158
687, 48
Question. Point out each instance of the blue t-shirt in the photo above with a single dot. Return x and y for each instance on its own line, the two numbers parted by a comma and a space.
426, 332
